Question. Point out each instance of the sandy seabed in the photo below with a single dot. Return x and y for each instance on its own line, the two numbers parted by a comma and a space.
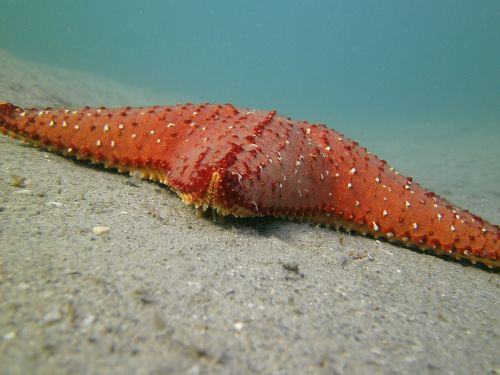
101, 273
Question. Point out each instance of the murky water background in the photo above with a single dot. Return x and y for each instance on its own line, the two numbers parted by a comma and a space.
415, 82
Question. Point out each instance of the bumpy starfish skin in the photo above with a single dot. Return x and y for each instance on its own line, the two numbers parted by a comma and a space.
253, 163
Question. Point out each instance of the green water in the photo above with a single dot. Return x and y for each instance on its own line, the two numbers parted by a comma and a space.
418, 82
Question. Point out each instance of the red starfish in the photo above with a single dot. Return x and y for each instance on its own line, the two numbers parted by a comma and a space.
252, 163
